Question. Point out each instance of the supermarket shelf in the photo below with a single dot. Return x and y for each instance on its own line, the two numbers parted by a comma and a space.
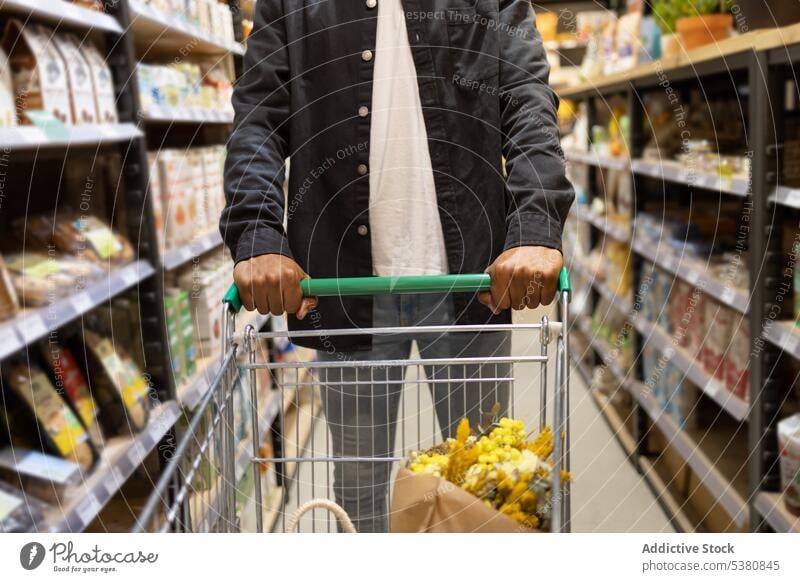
786, 196
167, 114
605, 351
689, 63
665, 497
686, 269
172, 259
594, 159
661, 341
615, 422
32, 324
28, 137
621, 304
673, 171
555, 45
785, 335
121, 456
680, 441
171, 32
616, 231
192, 391
62, 13
772, 508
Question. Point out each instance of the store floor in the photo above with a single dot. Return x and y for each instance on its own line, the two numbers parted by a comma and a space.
608, 495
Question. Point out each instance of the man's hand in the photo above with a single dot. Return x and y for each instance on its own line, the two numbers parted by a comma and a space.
271, 284
523, 277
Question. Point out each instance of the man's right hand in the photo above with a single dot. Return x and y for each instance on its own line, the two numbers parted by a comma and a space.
271, 284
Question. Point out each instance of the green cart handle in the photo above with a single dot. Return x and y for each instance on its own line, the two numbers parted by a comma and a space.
392, 286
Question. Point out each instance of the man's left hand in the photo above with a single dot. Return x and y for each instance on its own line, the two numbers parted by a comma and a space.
523, 277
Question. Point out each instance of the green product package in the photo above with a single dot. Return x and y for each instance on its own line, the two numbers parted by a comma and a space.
173, 331
186, 330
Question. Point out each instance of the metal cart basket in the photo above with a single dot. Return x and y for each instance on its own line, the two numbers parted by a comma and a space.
224, 476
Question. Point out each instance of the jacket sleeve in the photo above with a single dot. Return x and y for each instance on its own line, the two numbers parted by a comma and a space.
252, 221
538, 193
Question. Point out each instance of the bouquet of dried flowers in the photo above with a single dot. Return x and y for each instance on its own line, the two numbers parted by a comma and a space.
500, 465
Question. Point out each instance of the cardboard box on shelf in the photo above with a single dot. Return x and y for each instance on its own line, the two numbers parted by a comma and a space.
736, 363
81, 91
174, 336
156, 201
38, 72
102, 83
717, 332
175, 176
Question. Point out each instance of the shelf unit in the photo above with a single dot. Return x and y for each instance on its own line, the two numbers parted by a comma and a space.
124, 30
120, 458
759, 64
65, 137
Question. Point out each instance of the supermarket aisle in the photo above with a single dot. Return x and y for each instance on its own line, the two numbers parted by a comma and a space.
608, 494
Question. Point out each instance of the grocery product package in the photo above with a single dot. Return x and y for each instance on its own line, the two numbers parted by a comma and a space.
119, 387
789, 446
38, 71
9, 302
737, 360
718, 319
102, 83
492, 480
84, 109
8, 113
69, 379
79, 235
176, 181
60, 431
156, 200
38, 279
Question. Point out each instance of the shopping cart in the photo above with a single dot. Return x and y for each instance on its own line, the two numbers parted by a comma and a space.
222, 477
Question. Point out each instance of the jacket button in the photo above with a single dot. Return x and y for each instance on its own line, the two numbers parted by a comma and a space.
363, 111
363, 230
366, 56
362, 169
372, 4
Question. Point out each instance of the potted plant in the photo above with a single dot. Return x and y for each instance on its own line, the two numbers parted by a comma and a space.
703, 22
665, 13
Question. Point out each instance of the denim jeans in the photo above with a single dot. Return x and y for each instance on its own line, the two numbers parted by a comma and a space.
361, 403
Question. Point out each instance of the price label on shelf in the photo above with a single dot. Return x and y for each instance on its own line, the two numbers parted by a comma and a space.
9, 341
712, 388
129, 276
82, 302
114, 480
136, 454
693, 277
186, 253
88, 508
728, 295
31, 135
108, 131
790, 342
792, 198
31, 328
